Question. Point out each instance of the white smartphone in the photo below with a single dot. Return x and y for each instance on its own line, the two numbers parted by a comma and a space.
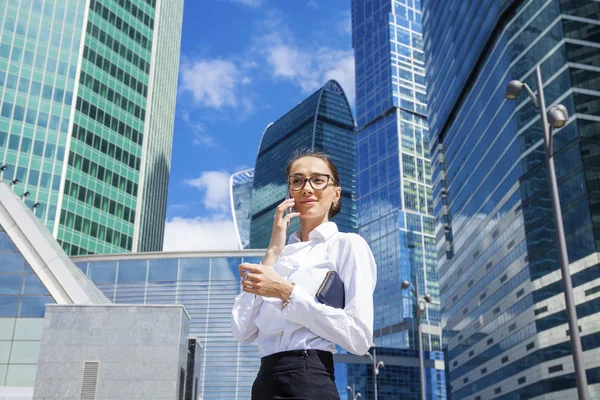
290, 209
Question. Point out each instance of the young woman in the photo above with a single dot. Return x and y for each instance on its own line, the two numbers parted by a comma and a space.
296, 333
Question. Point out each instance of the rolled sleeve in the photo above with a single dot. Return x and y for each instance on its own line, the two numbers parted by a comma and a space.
245, 310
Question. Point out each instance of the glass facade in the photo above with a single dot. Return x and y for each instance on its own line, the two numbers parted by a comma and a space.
240, 185
399, 379
23, 298
79, 82
321, 122
206, 286
394, 188
504, 321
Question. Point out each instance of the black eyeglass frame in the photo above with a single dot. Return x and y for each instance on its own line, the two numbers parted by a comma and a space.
309, 180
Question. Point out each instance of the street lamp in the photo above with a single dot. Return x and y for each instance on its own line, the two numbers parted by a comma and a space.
557, 118
351, 390
376, 367
420, 310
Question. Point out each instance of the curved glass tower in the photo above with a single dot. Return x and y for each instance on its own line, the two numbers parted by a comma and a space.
505, 325
322, 122
240, 187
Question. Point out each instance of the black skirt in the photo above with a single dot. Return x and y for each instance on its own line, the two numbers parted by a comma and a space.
296, 375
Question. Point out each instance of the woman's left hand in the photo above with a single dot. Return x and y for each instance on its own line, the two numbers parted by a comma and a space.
263, 281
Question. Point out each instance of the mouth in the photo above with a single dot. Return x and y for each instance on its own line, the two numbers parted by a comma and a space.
309, 202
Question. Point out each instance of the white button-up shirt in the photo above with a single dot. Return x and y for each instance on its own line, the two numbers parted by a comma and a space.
306, 323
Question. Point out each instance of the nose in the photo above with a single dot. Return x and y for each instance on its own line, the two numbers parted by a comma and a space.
307, 188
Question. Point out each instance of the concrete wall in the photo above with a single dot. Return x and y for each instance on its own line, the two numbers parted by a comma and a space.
140, 350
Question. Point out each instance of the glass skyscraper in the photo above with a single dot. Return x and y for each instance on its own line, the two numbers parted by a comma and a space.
394, 188
394, 203
87, 100
240, 195
504, 321
322, 122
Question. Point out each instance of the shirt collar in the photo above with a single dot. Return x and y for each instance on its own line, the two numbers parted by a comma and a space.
321, 232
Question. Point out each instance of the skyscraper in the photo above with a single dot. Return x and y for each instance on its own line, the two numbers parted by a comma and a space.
87, 93
240, 195
394, 195
505, 325
321, 122
394, 204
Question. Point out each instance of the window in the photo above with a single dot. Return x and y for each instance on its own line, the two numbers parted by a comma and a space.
504, 359
483, 371
522, 380
555, 368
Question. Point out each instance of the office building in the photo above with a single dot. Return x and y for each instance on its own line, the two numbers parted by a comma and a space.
322, 122
394, 206
240, 196
87, 93
505, 325
206, 284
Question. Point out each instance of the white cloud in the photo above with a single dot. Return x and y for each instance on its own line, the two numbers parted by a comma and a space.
212, 83
313, 4
215, 187
200, 234
345, 24
250, 3
305, 66
201, 136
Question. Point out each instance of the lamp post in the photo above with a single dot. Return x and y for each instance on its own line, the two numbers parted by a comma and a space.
420, 310
351, 390
376, 367
557, 118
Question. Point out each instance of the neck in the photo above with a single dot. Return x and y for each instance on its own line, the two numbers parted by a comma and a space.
307, 225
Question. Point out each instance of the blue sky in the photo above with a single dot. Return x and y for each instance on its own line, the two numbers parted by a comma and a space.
244, 63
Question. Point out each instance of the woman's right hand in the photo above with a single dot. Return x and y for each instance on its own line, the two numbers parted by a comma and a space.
279, 233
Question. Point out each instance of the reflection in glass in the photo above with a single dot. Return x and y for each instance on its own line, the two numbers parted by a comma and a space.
6, 245
132, 271
33, 285
8, 306
163, 270
34, 306
225, 269
12, 262
10, 283
104, 271
194, 269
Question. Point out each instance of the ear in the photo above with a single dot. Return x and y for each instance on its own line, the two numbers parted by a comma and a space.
338, 193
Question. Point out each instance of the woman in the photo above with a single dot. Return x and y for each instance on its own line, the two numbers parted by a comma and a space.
296, 334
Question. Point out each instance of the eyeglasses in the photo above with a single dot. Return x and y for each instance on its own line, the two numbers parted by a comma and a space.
317, 182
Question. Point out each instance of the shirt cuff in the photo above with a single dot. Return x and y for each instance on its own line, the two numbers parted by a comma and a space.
302, 309
247, 304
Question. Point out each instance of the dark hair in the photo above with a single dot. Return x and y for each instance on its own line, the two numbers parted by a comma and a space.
336, 207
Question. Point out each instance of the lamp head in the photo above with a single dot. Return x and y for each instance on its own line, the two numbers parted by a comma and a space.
15, 181
36, 205
513, 89
348, 388
405, 284
25, 194
558, 116
428, 298
3, 168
